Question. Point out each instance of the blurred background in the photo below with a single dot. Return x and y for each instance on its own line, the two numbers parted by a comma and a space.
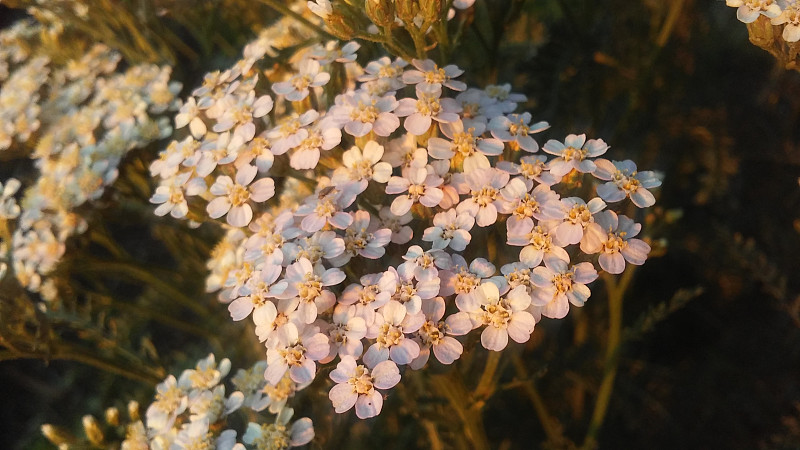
711, 348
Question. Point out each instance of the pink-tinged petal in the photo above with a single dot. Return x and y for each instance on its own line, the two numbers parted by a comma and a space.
358, 128
610, 192
303, 373
486, 216
521, 326
569, 233
459, 323
584, 273
579, 294
575, 140
342, 397
543, 296
593, 238
518, 299
404, 352
643, 198
344, 370
218, 207
528, 143
308, 312
448, 350
559, 167
531, 256
275, 371
432, 197
246, 174
604, 170
400, 205
304, 159
382, 172
386, 124
746, 14
417, 124
636, 251
369, 405
791, 33
240, 308
586, 166
282, 88
613, 263
385, 375
375, 355
332, 277
240, 216
317, 346
557, 308
262, 190
312, 223
493, 338
302, 432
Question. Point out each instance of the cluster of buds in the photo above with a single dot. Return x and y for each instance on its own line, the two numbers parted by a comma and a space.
366, 225
76, 121
192, 411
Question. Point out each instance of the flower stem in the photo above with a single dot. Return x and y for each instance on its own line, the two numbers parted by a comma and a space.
616, 292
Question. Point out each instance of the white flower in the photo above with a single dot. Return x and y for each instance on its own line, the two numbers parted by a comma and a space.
525, 206
573, 154
363, 240
308, 76
463, 279
450, 229
559, 285
234, 198
790, 18
416, 186
484, 187
625, 181
389, 331
532, 169
361, 113
374, 291
345, 333
357, 386
428, 106
364, 166
516, 129
504, 317
749, 10
296, 355
277, 436
322, 8
428, 73
260, 287
306, 154
575, 216
466, 143
423, 265
433, 335
401, 232
613, 237
327, 207
189, 115
308, 283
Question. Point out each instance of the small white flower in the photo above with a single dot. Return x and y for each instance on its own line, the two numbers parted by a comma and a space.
624, 181
613, 237
427, 107
357, 386
450, 229
749, 10
308, 76
416, 186
559, 285
234, 197
297, 355
516, 130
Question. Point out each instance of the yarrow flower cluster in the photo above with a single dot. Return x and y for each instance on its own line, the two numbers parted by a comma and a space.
76, 121
352, 218
779, 12
193, 411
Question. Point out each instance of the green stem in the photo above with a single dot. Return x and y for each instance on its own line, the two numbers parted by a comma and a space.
616, 293
452, 387
542, 412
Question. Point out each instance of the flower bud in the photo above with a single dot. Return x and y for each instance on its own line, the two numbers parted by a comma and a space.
431, 10
57, 436
112, 416
338, 26
380, 12
92, 430
133, 410
406, 10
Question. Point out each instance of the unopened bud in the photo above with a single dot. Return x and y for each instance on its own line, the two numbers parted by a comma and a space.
406, 10
133, 410
338, 26
431, 10
380, 12
112, 416
92, 430
57, 435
